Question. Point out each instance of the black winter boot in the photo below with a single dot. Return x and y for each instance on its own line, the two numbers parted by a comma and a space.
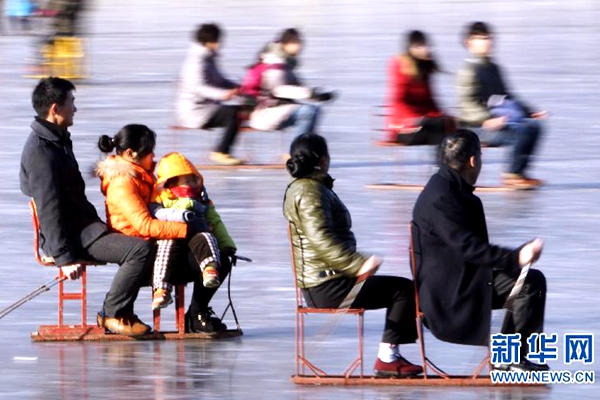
205, 322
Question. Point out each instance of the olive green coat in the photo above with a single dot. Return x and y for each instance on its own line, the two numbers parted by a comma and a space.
323, 245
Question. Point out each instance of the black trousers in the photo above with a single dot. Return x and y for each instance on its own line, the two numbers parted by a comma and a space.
225, 117
135, 258
394, 293
187, 268
527, 313
202, 295
203, 246
432, 132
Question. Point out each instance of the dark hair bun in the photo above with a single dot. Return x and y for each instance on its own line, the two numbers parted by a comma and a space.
306, 151
106, 144
300, 166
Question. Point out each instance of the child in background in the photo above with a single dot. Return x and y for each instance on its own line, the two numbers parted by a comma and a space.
180, 196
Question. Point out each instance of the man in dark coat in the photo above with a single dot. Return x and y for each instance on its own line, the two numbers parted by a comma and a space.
461, 276
71, 230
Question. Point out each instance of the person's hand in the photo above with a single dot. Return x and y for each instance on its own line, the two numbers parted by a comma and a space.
231, 94
229, 251
530, 252
494, 124
188, 216
72, 272
319, 95
540, 115
369, 268
194, 226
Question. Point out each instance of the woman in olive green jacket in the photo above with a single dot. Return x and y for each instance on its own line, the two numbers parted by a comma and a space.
327, 263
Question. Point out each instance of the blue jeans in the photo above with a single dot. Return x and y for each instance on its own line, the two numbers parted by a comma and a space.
522, 136
305, 118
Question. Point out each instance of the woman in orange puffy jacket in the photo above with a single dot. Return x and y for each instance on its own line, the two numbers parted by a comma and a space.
414, 117
128, 183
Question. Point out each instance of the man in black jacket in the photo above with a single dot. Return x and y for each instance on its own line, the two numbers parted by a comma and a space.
461, 276
71, 230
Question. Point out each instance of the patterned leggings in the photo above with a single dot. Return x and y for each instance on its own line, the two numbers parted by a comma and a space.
203, 245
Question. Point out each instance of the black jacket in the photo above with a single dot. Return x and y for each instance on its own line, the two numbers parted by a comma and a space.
491, 83
50, 175
478, 80
455, 260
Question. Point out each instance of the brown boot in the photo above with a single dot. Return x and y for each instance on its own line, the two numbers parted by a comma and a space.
129, 325
520, 181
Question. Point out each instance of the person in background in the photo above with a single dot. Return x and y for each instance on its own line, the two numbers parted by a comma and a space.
18, 13
283, 100
495, 114
415, 118
66, 16
202, 91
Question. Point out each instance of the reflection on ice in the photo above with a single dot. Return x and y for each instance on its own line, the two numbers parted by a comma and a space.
347, 47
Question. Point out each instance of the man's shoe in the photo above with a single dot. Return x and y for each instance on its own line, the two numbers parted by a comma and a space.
523, 366
129, 325
526, 365
399, 368
225, 159
204, 322
520, 181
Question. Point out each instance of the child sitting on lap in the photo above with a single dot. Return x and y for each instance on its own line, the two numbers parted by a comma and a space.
181, 196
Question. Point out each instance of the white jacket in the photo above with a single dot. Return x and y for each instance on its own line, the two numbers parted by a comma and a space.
280, 83
201, 87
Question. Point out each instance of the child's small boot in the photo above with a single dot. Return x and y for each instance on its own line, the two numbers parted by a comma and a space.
210, 277
161, 298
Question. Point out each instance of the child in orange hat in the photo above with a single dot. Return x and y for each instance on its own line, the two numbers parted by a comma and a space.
181, 196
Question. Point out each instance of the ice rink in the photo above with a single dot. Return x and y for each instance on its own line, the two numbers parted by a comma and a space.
549, 50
